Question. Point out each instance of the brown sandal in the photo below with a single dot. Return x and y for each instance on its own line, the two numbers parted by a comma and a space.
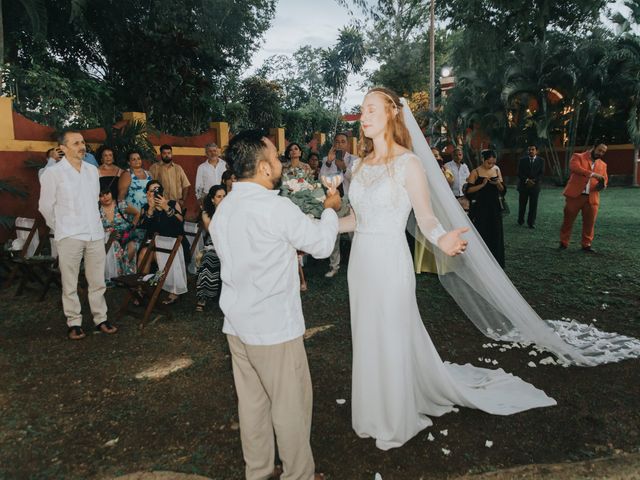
75, 333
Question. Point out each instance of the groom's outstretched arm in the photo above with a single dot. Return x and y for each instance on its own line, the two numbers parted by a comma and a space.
315, 237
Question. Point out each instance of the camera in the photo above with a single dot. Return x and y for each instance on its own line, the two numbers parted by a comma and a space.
158, 192
339, 154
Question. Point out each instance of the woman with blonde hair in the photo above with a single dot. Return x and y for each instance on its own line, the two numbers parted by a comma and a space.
398, 376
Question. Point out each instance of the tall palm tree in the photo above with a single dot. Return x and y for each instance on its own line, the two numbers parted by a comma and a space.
346, 57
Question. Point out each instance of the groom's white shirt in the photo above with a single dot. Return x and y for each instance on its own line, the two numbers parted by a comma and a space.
256, 234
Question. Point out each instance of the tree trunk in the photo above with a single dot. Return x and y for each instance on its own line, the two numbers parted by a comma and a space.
1, 41
636, 157
432, 56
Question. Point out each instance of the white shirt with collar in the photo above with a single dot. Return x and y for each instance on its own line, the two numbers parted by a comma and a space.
69, 201
587, 189
256, 234
460, 175
207, 176
331, 170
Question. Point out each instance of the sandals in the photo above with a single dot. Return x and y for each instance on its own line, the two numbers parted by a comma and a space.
170, 300
106, 327
75, 333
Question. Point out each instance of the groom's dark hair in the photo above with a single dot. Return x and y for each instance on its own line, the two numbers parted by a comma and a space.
244, 151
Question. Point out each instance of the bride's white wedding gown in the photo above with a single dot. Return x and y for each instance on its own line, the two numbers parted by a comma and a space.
399, 380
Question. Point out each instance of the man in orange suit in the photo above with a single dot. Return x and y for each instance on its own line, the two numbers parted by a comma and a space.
588, 177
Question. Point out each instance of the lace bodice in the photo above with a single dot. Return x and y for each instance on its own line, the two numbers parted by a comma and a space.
382, 197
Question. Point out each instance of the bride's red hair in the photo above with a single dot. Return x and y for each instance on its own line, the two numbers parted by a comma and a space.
395, 131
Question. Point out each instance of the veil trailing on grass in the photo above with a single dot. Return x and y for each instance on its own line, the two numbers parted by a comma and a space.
486, 295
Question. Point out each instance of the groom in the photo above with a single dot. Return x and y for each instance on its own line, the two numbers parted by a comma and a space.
256, 234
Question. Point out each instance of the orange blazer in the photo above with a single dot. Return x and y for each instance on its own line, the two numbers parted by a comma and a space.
580, 168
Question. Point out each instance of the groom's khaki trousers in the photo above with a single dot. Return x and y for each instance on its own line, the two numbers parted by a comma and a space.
274, 394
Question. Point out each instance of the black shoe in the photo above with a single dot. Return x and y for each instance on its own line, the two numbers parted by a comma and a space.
588, 249
562, 247
520, 222
532, 226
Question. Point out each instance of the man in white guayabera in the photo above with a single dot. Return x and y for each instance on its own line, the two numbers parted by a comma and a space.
69, 193
256, 234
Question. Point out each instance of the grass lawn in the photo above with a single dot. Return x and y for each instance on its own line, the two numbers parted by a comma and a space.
62, 401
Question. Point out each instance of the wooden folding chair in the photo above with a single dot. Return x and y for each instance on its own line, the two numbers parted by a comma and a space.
21, 261
194, 233
143, 291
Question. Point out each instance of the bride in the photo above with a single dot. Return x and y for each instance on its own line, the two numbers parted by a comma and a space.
399, 380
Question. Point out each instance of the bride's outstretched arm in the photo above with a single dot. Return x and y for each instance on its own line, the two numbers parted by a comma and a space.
347, 224
418, 189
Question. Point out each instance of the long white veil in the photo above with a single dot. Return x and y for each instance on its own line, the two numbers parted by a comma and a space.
485, 294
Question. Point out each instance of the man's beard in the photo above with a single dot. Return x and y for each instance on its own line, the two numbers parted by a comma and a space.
166, 160
276, 182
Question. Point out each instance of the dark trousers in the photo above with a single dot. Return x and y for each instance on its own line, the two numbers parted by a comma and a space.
528, 196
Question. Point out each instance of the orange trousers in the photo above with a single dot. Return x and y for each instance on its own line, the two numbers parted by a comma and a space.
589, 213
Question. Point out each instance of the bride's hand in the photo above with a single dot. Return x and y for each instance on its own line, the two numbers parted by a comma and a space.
451, 243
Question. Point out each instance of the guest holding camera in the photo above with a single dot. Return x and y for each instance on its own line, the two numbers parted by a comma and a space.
164, 217
485, 190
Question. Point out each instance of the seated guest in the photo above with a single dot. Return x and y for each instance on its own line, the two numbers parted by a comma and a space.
109, 172
208, 282
228, 179
294, 166
314, 164
124, 247
54, 155
164, 217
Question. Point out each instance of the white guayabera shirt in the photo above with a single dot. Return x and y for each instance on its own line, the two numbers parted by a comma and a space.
69, 201
256, 234
207, 176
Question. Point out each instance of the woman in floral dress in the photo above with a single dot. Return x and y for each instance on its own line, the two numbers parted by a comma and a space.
124, 246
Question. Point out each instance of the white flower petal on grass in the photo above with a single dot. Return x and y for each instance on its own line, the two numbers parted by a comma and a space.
605, 292
487, 360
494, 362
455, 409
112, 442
488, 444
503, 349
604, 306
444, 432
431, 438
377, 477
341, 401
445, 451
531, 364
548, 361
533, 353
619, 275
480, 359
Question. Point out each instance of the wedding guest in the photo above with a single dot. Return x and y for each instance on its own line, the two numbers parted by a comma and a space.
164, 217
459, 174
338, 162
293, 164
68, 202
124, 246
54, 155
485, 189
314, 164
109, 172
228, 179
132, 191
171, 176
582, 194
208, 281
256, 234
530, 171
210, 171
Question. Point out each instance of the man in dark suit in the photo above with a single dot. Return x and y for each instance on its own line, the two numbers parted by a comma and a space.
530, 171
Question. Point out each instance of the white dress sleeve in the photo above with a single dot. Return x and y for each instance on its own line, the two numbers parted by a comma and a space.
418, 190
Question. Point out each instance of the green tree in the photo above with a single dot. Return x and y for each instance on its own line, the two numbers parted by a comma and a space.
263, 101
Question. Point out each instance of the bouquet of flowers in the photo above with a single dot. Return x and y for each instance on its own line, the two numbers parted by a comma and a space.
307, 193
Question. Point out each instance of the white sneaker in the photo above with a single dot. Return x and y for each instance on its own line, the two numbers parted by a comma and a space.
332, 273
